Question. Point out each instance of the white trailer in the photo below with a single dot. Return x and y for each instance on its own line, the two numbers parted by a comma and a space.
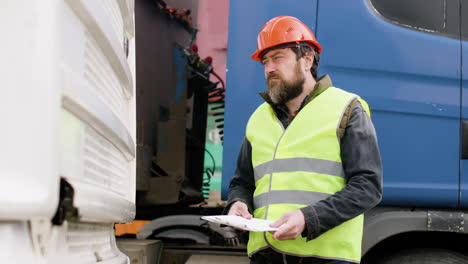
67, 151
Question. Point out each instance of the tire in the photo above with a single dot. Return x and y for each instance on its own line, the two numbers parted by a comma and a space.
424, 256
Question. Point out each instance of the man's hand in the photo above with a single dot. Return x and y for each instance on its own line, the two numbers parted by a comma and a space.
240, 209
290, 225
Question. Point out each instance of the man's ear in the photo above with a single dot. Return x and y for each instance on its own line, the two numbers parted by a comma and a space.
309, 60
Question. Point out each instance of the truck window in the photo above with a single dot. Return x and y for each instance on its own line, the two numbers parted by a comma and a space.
431, 16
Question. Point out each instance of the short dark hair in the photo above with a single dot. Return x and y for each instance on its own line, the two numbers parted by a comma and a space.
301, 50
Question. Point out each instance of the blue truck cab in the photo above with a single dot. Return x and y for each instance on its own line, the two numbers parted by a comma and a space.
405, 58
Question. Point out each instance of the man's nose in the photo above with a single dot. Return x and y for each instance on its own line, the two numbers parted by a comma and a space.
269, 68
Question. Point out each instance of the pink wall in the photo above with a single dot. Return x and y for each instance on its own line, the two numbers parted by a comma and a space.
212, 22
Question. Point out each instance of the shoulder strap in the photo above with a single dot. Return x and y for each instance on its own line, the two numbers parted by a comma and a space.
346, 117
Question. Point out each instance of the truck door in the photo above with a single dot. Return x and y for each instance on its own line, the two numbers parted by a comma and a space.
403, 57
464, 101
245, 78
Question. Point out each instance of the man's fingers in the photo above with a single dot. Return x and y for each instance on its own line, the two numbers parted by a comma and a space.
277, 235
283, 236
290, 226
233, 212
282, 232
242, 213
286, 232
246, 214
286, 238
240, 209
279, 222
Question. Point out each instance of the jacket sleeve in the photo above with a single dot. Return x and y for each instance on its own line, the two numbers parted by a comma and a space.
363, 169
242, 185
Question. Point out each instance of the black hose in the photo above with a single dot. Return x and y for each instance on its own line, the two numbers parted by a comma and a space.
219, 94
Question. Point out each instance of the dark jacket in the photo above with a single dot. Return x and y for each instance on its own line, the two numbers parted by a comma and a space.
361, 162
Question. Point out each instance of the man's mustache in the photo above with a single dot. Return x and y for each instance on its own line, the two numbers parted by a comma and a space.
273, 75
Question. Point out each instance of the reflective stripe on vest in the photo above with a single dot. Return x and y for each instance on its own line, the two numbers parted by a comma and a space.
288, 197
301, 166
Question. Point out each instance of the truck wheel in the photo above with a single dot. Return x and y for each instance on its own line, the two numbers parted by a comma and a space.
425, 256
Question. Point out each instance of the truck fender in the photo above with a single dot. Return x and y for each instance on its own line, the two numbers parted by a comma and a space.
381, 223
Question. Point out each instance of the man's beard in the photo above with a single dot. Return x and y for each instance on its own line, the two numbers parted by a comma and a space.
281, 91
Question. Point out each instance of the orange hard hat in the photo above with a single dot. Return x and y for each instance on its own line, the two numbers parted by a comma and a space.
284, 29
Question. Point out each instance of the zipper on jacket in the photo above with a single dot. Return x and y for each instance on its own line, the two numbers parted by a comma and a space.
271, 175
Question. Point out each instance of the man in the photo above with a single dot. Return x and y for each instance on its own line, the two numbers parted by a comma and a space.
310, 160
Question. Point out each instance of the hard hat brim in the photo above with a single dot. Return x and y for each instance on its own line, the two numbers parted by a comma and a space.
258, 54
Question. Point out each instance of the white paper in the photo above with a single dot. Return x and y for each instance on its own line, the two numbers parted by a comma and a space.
254, 224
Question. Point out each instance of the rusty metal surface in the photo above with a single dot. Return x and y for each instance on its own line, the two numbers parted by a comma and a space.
446, 221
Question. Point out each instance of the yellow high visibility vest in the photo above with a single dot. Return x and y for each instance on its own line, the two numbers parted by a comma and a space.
300, 166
